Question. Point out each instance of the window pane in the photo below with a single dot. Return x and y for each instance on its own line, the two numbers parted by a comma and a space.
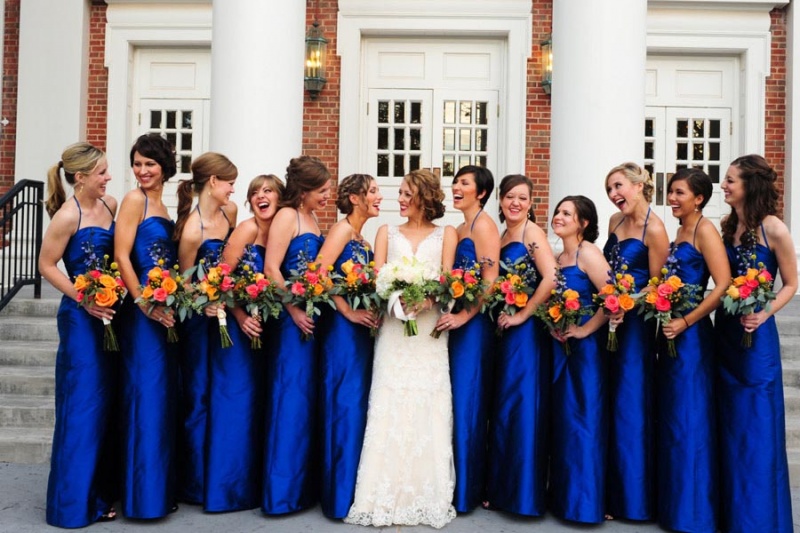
682, 128
413, 162
648, 150
449, 112
155, 119
699, 127
171, 119
186, 120
682, 152
465, 139
465, 113
383, 138
186, 164
480, 161
648, 127
448, 165
680, 167
713, 173
186, 141
383, 165
697, 151
383, 112
463, 161
399, 139
399, 166
480, 140
171, 137
449, 139
713, 151
399, 112
713, 127
480, 113
416, 113
416, 139
651, 169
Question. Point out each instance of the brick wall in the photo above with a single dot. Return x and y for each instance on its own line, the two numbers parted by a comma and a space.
775, 113
97, 97
8, 134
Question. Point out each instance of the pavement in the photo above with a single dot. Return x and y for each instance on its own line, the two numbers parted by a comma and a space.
22, 510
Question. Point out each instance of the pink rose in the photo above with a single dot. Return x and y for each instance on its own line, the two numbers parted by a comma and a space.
612, 303
506, 287
227, 283
263, 282
362, 277
225, 268
457, 272
766, 274
165, 274
662, 304
120, 282
752, 283
312, 277
469, 278
745, 290
625, 283
80, 296
95, 274
252, 290
160, 295
572, 305
665, 289
510, 298
298, 289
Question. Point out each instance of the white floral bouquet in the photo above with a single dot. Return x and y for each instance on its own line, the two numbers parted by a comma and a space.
409, 282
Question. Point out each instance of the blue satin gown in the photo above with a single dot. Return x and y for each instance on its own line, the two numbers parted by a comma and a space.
289, 478
471, 347
754, 475
194, 349
519, 427
149, 390
79, 490
579, 406
687, 443
346, 351
235, 437
631, 475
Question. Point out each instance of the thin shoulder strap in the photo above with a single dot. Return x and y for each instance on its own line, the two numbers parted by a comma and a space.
475, 220
646, 219
80, 213
108, 208
144, 216
764, 234
200, 216
618, 224
694, 235
224, 214
297, 212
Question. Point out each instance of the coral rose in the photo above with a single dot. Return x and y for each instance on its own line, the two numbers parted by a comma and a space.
626, 302
662, 304
611, 303
105, 297
160, 295
572, 304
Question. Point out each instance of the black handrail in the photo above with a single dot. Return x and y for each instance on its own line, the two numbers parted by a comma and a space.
21, 220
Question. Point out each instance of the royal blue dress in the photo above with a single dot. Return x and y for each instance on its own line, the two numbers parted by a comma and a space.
687, 443
519, 417
289, 478
579, 406
471, 347
631, 476
79, 490
346, 351
194, 350
235, 437
149, 389
754, 475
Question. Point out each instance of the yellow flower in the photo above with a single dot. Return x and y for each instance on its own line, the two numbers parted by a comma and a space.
751, 273
312, 267
347, 266
675, 282
739, 281
154, 274
114, 266
607, 289
213, 275
651, 297
209, 290
515, 280
733, 292
318, 288
570, 294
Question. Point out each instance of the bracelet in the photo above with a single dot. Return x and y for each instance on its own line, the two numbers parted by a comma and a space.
685, 321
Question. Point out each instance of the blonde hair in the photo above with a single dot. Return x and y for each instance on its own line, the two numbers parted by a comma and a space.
78, 158
635, 174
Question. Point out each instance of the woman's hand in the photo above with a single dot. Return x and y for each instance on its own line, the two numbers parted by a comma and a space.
752, 321
674, 327
304, 322
100, 312
413, 310
211, 309
362, 317
159, 313
250, 326
558, 335
505, 321
451, 321
615, 319
576, 332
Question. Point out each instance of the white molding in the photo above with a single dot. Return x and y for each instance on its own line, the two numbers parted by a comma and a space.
508, 20
756, 5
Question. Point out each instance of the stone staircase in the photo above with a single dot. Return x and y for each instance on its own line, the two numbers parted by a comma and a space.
29, 339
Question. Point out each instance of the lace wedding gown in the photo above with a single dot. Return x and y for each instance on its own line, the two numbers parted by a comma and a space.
406, 474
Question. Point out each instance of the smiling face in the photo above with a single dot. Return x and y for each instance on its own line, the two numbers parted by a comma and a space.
465, 192
94, 183
221, 190
516, 204
565, 220
372, 200
318, 198
682, 199
623, 192
409, 203
147, 172
264, 202
733, 187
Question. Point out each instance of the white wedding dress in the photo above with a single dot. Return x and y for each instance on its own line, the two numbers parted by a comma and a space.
406, 474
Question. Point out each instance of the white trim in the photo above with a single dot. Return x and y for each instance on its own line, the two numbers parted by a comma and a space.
792, 189
2, 48
509, 20
756, 5
131, 25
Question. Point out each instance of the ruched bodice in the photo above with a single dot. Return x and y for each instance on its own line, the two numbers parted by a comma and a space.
153, 242
511, 253
101, 242
577, 280
691, 265
634, 254
465, 253
304, 247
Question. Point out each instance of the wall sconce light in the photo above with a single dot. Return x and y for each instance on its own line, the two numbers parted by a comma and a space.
547, 64
316, 54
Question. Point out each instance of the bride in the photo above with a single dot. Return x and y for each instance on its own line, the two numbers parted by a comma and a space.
406, 474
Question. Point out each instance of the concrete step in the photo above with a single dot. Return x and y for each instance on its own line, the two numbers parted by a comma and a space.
44, 307
28, 353
19, 410
791, 373
25, 445
19, 328
791, 399
792, 432
27, 380
793, 456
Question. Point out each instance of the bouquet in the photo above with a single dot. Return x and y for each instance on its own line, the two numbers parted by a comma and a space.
409, 280
511, 292
616, 294
669, 297
308, 286
357, 286
751, 289
165, 286
460, 286
259, 295
562, 309
216, 287
102, 286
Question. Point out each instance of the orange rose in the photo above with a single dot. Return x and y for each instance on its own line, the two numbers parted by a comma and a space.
555, 313
675, 282
733, 292
209, 290
570, 294
80, 283
347, 267
626, 302
607, 289
154, 274
520, 299
318, 288
105, 297
751, 273
651, 297
739, 281
213, 274
515, 279
108, 281
352, 277
169, 285
458, 289
147, 292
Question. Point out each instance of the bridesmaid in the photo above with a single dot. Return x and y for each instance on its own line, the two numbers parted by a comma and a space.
79, 490
687, 443
201, 233
235, 431
346, 350
471, 340
643, 243
289, 447
579, 390
149, 362
519, 420
754, 476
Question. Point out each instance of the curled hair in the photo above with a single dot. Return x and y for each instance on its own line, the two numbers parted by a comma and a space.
484, 181
586, 212
304, 174
760, 195
697, 180
76, 158
427, 191
157, 148
207, 165
635, 174
508, 183
357, 184
258, 182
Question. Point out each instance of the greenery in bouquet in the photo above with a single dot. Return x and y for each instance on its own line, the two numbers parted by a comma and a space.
307, 287
411, 281
562, 309
617, 294
460, 288
258, 294
215, 287
356, 285
510, 293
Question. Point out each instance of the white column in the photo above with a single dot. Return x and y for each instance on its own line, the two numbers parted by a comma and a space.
257, 85
792, 190
598, 100
51, 105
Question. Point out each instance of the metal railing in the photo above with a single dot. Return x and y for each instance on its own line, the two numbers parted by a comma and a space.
21, 220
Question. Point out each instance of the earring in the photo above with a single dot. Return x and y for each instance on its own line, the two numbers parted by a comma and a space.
79, 188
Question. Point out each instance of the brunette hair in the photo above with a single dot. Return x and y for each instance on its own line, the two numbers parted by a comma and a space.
259, 181
635, 174
427, 191
357, 184
157, 148
586, 212
508, 183
304, 174
761, 195
484, 181
207, 165
76, 158
697, 180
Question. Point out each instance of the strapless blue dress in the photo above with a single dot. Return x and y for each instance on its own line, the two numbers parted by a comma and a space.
754, 475
631, 475
520, 416
471, 347
346, 351
290, 483
193, 366
579, 406
687, 444
149, 390
235, 438
80, 487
